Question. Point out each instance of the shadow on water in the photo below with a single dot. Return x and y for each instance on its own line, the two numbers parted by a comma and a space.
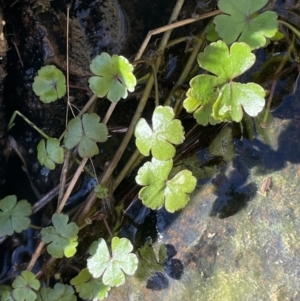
233, 192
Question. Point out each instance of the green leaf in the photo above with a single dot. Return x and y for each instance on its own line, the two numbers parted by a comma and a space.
25, 286
6, 293
114, 78
219, 96
112, 266
50, 84
147, 263
89, 287
60, 292
13, 215
158, 191
211, 34
165, 132
101, 191
201, 97
242, 22
178, 189
62, 237
85, 132
50, 152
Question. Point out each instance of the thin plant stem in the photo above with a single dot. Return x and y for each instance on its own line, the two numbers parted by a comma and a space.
109, 112
155, 85
64, 171
171, 26
291, 27
35, 255
134, 160
71, 186
187, 69
77, 174
88, 204
107, 227
270, 98
11, 124
63, 175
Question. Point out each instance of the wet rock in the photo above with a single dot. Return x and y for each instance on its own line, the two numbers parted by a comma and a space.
253, 252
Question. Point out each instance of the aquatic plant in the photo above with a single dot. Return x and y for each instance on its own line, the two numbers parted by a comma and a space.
216, 95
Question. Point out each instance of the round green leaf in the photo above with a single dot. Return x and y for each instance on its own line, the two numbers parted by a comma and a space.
49, 84
242, 22
25, 286
50, 152
89, 287
114, 78
85, 132
165, 132
61, 237
112, 267
226, 64
13, 215
159, 191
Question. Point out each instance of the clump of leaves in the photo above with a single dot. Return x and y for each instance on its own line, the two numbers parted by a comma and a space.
50, 152
112, 266
89, 287
217, 97
50, 84
165, 132
159, 191
242, 22
101, 191
61, 237
14, 215
25, 287
114, 76
85, 132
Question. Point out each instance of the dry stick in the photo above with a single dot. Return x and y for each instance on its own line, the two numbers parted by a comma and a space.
63, 175
77, 174
172, 26
90, 201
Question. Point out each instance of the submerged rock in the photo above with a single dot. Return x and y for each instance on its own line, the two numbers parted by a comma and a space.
235, 243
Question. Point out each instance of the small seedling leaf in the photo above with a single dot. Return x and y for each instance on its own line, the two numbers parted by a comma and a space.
219, 96
49, 84
241, 22
85, 132
13, 215
114, 76
25, 286
101, 191
6, 293
201, 97
165, 132
60, 292
158, 191
112, 266
50, 152
61, 237
89, 287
